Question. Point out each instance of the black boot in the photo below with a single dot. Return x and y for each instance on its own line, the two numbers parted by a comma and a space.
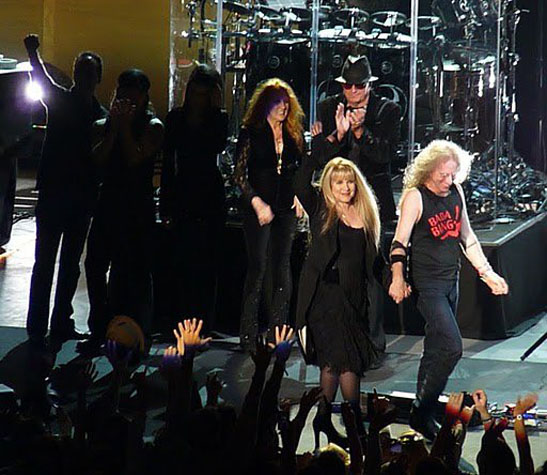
421, 419
322, 422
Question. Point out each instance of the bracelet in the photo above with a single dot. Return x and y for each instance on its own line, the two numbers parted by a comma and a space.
488, 419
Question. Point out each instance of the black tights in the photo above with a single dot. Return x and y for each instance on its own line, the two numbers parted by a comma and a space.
348, 381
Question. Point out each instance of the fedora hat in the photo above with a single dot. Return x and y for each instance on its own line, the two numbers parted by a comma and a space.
356, 70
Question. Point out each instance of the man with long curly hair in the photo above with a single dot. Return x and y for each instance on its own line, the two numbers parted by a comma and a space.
434, 221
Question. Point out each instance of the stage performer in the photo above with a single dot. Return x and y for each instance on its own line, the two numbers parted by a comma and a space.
269, 151
68, 184
337, 280
194, 135
365, 128
126, 146
435, 223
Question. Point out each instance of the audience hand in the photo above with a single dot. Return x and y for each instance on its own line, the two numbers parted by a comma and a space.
188, 337
262, 355
383, 412
86, 375
525, 403
283, 343
214, 387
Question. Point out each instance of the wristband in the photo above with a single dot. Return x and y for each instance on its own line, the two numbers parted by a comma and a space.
396, 258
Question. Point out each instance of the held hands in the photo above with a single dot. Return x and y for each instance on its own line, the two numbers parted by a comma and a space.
497, 284
263, 211
298, 208
399, 290
32, 43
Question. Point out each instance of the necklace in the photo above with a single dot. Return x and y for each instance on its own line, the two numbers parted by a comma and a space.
279, 153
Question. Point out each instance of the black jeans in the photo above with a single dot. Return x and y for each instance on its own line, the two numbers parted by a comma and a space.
55, 226
121, 247
437, 302
268, 248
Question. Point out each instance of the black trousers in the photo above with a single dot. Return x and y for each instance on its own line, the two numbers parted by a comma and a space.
443, 347
55, 226
119, 248
196, 257
268, 248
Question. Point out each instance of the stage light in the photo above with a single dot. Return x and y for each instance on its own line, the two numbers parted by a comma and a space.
34, 91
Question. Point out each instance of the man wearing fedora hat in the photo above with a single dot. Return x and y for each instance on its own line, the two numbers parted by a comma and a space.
365, 128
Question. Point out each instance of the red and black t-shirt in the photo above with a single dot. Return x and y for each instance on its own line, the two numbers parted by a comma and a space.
435, 250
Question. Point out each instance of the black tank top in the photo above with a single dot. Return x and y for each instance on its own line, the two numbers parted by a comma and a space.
435, 250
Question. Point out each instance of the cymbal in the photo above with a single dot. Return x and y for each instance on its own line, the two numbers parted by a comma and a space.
236, 7
265, 10
388, 19
426, 22
346, 13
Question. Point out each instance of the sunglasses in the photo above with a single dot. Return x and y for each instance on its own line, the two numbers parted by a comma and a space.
359, 87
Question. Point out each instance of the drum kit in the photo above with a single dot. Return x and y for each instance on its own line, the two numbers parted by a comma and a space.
465, 69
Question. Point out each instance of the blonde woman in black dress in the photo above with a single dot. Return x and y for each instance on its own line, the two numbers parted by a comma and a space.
342, 262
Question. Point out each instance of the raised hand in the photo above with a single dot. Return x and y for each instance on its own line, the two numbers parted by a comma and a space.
481, 403
86, 376
262, 355
214, 386
383, 414
342, 122
171, 361
310, 398
188, 336
283, 342
525, 403
32, 43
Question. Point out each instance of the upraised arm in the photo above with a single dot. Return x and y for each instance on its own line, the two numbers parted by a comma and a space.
39, 72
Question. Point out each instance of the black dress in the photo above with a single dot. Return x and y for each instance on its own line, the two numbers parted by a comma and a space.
338, 325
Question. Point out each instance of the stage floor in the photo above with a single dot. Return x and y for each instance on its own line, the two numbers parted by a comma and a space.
491, 365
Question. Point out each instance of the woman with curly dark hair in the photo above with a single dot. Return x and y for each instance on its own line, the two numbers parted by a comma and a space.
269, 149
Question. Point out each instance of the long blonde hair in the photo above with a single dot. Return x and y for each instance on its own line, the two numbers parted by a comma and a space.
364, 199
436, 152
267, 93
